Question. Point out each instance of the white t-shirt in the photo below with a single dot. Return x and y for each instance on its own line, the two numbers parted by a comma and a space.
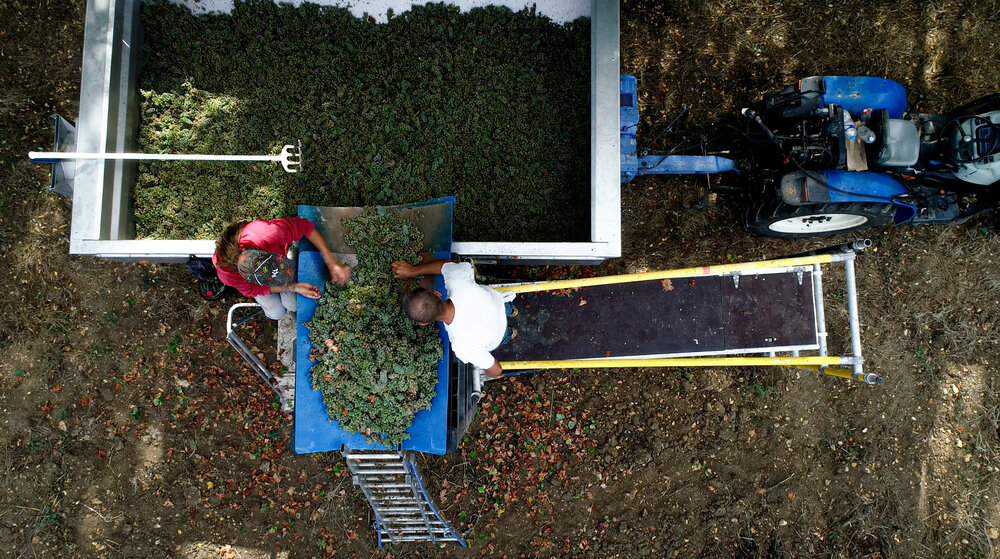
480, 319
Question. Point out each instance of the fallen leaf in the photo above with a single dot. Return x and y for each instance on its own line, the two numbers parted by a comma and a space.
668, 285
791, 497
582, 301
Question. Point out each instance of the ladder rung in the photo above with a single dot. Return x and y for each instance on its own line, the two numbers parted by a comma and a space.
380, 472
397, 511
363, 456
414, 531
399, 516
404, 532
448, 538
362, 480
380, 478
376, 477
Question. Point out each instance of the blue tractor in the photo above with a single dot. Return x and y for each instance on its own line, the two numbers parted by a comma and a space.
835, 154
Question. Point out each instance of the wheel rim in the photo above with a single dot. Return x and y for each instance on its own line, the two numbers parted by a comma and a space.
818, 223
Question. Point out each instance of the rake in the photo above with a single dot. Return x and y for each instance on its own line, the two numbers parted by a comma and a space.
290, 157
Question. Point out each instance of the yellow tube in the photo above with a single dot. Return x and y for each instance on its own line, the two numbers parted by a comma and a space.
830, 371
677, 362
669, 274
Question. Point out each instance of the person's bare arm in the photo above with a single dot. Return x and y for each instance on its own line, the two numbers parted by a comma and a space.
339, 273
495, 371
302, 288
402, 269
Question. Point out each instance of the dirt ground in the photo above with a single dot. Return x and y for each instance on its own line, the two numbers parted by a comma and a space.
131, 430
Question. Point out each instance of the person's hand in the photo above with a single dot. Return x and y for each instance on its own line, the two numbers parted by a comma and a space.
340, 274
403, 269
306, 290
495, 371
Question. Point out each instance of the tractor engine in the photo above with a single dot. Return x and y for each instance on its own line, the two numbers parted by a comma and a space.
806, 137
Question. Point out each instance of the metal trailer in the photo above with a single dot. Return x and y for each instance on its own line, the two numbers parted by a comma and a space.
102, 223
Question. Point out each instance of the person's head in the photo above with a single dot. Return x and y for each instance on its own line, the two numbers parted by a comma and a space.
423, 305
227, 246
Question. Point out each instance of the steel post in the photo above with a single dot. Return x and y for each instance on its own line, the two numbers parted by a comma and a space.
852, 313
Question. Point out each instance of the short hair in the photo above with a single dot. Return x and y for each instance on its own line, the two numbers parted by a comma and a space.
423, 305
227, 246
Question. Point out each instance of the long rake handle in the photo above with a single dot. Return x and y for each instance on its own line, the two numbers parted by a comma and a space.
46, 156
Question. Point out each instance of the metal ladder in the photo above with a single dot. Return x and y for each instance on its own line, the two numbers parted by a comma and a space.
403, 510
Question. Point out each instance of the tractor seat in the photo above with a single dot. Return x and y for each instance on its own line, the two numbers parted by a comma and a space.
897, 141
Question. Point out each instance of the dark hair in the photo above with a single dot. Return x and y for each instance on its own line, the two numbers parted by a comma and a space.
227, 246
423, 305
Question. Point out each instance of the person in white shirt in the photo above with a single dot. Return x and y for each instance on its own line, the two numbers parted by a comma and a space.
475, 316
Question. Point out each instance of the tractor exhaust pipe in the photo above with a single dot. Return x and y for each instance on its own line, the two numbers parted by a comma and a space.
854, 246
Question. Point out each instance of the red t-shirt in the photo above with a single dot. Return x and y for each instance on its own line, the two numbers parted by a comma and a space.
271, 235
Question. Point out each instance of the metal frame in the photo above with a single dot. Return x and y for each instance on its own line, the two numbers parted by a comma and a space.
403, 510
244, 351
845, 366
103, 223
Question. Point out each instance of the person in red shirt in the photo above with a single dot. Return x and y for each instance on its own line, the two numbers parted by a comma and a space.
252, 256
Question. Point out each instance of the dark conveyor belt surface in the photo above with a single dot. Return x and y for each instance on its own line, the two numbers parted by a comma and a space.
704, 314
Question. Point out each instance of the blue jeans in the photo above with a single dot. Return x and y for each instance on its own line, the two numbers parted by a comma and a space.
276, 304
508, 307
506, 337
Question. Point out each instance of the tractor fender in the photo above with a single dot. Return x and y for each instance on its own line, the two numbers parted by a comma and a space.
856, 94
800, 188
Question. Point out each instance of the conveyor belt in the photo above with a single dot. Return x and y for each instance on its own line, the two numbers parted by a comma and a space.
704, 315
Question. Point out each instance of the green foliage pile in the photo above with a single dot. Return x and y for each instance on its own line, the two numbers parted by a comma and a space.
170, 194
490, 106
375, 367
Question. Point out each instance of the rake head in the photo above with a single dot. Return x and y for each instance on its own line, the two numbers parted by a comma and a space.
291, 158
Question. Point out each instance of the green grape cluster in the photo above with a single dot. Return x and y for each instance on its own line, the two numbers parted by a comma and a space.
489, 105
375, 367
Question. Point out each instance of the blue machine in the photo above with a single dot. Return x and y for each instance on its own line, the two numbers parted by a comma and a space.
634, 165
837, 154
855, 94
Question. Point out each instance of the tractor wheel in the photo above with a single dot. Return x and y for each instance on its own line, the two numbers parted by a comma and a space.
775, 218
